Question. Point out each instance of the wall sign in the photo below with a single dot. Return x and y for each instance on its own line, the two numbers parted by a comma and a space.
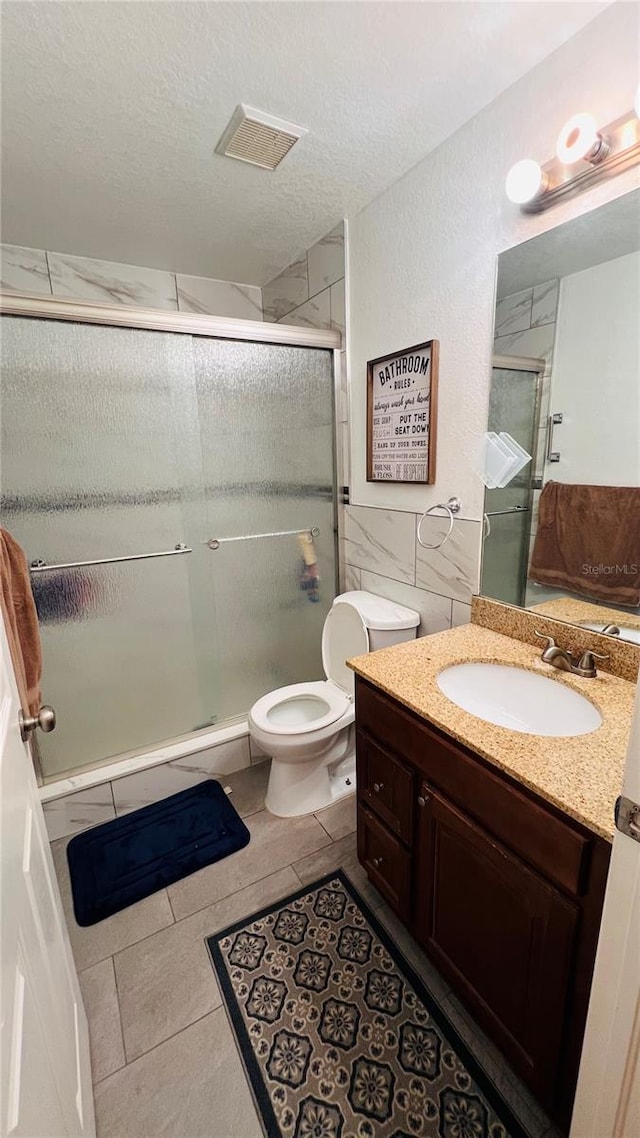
402, 397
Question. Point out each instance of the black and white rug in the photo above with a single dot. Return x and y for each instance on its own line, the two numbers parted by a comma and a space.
339, 1037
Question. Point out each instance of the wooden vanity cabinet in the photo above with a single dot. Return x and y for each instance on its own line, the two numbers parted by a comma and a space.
502, 890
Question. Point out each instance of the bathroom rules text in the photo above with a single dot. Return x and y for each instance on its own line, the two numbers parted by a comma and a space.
399, 416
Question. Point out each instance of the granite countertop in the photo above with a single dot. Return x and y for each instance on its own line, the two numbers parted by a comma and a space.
581, 775
575, 611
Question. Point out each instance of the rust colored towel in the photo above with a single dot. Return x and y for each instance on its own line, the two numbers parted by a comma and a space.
21, 621
588, 541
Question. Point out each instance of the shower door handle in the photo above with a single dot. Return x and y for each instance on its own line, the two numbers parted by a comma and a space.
552, 421
45, 720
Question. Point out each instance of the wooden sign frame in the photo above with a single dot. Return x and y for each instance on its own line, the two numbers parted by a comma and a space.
402, 387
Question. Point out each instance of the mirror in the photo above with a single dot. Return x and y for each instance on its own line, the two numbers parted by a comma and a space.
563, 535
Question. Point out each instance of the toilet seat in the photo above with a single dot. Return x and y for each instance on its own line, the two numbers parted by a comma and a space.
344, 635
300, 708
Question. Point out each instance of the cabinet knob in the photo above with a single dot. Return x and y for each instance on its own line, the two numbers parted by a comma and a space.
423, 799
377, 861
378, 786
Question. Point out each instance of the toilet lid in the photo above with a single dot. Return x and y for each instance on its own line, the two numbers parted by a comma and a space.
344, 635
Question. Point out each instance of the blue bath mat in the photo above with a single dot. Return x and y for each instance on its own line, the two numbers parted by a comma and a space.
120, 862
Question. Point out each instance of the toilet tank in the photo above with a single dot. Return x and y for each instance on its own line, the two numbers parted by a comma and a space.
388, 622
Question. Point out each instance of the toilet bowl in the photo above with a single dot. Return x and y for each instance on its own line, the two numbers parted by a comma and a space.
307, 728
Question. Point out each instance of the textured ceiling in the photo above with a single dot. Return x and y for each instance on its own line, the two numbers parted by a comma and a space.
111, 111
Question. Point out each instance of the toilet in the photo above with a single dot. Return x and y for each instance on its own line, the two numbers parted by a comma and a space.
308, 728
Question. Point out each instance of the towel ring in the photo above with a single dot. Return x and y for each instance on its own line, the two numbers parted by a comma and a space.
452, 507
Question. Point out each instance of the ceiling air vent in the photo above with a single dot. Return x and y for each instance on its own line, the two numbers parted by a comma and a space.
256, 137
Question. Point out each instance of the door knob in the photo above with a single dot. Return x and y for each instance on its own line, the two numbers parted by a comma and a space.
378, 786
45, 720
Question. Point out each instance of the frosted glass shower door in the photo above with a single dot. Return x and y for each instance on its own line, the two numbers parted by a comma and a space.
100, 459
266, 422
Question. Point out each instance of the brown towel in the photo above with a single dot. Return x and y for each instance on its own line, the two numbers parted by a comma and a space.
21, 622
588, 541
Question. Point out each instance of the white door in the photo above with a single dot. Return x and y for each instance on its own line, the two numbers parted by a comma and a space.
608, 1095
45, 1074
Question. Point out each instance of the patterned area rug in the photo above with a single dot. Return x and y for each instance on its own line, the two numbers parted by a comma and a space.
339, 1037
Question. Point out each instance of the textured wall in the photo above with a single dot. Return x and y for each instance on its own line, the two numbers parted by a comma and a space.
596, 367
423, 254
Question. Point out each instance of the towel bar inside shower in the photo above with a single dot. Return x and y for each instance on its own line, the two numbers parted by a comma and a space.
499, 513
215, 542
40, 566
511, 510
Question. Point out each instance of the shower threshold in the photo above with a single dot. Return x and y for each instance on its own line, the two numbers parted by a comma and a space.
165, 752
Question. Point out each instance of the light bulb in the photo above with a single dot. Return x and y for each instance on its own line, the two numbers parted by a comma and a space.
578, 139
524, 181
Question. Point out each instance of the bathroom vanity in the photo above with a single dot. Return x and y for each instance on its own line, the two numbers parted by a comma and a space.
492, 846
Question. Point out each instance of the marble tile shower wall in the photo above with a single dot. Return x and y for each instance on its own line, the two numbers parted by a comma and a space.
107, 282
320, 286
526, 326
310, 293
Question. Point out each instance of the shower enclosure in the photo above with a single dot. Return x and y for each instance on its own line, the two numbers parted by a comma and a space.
157, 477
514, 406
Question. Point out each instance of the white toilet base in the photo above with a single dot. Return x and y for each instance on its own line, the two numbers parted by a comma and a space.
296, 789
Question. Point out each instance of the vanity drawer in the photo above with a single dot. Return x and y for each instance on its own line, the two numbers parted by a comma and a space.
385, 785
386, 861
525, 824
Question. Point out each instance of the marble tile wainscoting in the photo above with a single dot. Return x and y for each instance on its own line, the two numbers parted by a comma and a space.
382, 554
107, 282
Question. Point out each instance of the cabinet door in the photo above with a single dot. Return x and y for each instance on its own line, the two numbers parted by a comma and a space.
499, 932
385, 785
386, 861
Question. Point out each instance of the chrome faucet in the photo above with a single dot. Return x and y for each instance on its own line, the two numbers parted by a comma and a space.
561, 658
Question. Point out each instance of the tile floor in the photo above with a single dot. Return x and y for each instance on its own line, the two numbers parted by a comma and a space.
163, 1057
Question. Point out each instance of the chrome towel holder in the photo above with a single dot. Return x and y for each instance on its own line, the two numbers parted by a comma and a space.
451, 508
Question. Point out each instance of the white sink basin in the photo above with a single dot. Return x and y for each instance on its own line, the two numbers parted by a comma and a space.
518, 699
630, 634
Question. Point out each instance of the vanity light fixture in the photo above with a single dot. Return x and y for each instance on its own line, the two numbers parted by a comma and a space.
585, 154
580, 138
525, 181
